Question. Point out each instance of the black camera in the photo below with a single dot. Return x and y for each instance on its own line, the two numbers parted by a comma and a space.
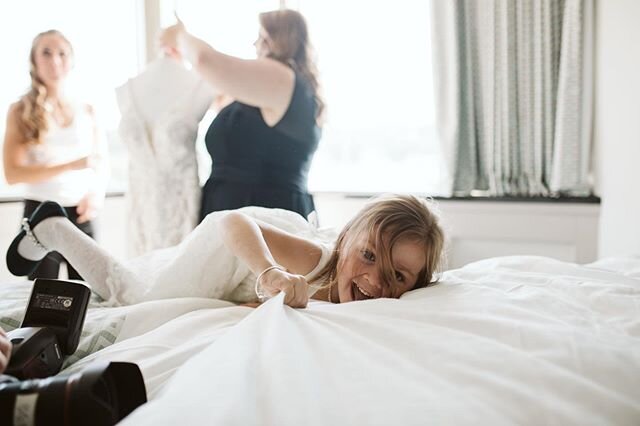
101, 394
50, 329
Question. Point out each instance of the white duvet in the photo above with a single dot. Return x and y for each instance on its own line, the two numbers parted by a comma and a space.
514, 340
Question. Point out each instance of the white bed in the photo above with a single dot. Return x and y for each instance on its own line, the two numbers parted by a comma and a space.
512, 340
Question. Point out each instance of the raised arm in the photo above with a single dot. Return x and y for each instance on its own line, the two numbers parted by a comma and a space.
264, 82
262, 246
16, 169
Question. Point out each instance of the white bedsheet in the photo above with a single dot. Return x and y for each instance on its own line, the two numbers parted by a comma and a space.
161, 351
158, 335
515, 340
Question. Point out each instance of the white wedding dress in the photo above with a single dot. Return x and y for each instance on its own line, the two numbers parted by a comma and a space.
200, 266
160, 112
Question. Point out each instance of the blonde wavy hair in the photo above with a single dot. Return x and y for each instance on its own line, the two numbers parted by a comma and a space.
290, 45
33, 113
388, 219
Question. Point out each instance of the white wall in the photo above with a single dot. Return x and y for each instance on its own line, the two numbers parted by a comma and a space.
617, 124
481, 229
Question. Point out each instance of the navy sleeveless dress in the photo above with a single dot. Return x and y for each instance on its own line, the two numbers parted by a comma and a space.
257, 165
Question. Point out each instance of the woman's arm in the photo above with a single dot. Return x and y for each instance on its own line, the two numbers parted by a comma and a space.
264, 82
15, 156
261, 246
93, 201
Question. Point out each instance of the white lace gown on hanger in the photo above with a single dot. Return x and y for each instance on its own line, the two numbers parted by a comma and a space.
160, 112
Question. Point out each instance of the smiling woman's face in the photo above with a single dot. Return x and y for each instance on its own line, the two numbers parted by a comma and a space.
358, 272
52, 58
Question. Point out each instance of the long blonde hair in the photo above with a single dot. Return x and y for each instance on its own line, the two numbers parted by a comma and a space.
290, 45
388, 219
33, 113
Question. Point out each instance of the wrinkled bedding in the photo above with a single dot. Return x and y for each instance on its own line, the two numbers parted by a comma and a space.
511, 340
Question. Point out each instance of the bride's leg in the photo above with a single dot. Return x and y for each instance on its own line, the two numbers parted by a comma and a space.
106, 275
48, 229
200, 266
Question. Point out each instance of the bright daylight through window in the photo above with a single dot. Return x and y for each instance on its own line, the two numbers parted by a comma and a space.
375, 68
374, 61
105, 38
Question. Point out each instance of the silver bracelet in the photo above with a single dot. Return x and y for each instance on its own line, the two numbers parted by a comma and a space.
260, 293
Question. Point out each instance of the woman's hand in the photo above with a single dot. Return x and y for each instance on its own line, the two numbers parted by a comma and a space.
169, 39
88, 207
80, 163
250, 304
5, 350
295, 287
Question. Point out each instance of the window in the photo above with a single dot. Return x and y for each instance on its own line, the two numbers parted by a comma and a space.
105, 42
375, 66
230, 27
374, 60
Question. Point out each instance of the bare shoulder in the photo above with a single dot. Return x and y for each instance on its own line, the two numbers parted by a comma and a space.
280, 78
279, 67
15, 134
14, 127
15, 110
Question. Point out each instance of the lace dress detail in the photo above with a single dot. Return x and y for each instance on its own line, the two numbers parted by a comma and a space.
200, 266
163, 197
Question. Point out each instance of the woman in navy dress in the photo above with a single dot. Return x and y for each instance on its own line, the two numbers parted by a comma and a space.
263, 142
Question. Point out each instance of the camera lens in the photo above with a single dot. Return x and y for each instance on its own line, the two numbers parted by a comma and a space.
101, 394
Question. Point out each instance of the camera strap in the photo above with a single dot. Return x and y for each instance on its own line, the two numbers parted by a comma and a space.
24, 412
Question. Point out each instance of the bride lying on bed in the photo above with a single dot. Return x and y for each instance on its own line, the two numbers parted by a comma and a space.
391, 246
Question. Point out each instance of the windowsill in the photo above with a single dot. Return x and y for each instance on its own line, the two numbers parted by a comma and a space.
14, 199
592, 199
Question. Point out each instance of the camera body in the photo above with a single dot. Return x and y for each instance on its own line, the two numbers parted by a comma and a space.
50, 330
101, 394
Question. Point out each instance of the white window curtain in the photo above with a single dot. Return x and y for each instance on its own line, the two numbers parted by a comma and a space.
514, 95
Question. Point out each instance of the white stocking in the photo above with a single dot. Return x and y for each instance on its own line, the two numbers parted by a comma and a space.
92, 262
200, 266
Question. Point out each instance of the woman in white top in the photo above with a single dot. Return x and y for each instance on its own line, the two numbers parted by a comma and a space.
51, 140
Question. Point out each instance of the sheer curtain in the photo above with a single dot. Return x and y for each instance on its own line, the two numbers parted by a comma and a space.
514, 93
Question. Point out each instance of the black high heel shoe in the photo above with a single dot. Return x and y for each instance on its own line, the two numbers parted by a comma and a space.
17, 264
